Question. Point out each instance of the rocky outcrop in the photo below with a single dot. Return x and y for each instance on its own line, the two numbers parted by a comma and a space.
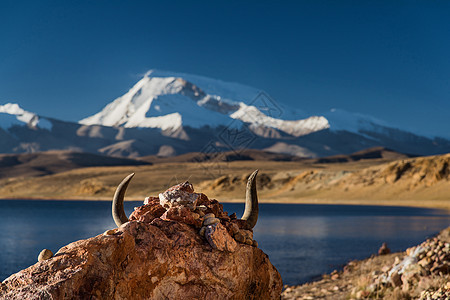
421, 272
187, 249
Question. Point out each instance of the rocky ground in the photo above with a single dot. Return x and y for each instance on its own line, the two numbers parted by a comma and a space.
421, 272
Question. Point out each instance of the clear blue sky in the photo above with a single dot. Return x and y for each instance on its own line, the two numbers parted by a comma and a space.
389, 59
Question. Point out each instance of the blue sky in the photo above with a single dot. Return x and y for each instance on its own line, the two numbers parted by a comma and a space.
388, 59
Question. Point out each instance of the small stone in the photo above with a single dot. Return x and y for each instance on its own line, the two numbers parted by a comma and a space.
210, 221
239, 237
202, 231
443, 268
181, 214
409, 251
335, 276
247, 234
210, 215
249, 241
384, 249
45, 254
234, 228
202, 208
109, 232
255, 244
424, 262
218, 237
195, 216
396, 279
179, 195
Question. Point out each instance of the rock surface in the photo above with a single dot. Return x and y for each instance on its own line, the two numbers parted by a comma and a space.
158, 254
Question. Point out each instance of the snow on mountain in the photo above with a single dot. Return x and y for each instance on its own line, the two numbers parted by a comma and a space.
343, 120
252, 115
155, 102
223, 90
169, 101
365, 125
228, 92
12, 114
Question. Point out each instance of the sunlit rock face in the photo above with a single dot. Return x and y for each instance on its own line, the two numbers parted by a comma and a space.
185, 250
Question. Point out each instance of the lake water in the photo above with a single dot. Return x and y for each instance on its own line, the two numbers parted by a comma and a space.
302, 241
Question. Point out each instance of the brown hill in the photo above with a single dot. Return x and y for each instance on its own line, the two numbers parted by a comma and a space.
254, 154
51, 162
370, 153
248, 154
422, 178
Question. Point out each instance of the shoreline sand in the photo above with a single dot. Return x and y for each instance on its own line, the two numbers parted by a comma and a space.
431, 204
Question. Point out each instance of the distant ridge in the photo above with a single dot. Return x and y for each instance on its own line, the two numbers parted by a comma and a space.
259, 155
248, 154
51, 162
371, 153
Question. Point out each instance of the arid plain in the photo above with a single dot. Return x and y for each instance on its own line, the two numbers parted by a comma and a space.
387, 178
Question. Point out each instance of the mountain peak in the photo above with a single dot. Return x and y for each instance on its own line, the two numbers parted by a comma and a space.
12, 114
170, 101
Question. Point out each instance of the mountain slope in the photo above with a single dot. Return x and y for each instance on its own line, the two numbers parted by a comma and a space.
168, 114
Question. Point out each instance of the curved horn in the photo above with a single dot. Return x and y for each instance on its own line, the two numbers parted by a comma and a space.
118, 212
251, 201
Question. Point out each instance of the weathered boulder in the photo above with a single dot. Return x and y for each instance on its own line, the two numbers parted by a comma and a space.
156, 255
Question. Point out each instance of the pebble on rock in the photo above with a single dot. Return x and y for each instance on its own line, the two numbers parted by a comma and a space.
239, 237
210, 215
396, 279
210, 221
45, 254
201, 207
202, 231
109, 232
384, 249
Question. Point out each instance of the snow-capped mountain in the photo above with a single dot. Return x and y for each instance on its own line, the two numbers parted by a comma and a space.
168, 114
12, 114
169, 102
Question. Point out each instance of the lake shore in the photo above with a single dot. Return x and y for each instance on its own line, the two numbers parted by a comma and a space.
420, 272
437, 204
433, 204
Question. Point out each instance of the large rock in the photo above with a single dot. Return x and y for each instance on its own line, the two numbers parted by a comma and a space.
156, 255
